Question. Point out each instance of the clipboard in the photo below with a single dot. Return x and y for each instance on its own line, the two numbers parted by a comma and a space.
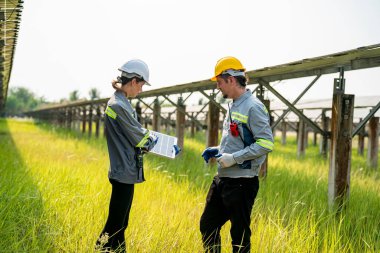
164, 146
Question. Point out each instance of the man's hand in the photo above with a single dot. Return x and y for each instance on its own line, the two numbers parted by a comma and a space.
226, 160
210, 152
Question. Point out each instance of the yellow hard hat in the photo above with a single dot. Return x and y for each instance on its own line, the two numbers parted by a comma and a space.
227, 63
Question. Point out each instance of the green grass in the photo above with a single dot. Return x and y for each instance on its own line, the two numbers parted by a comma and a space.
54, 195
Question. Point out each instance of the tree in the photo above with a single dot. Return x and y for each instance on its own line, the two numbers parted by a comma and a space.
94, 93
74, 95
20, 100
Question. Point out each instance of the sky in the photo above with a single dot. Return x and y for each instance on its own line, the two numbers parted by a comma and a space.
79, 44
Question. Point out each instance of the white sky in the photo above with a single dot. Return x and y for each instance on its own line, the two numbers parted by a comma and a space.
79, 44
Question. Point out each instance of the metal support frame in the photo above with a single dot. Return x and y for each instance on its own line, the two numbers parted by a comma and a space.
148, 106
366, 119
186, 97
201, 110
224, 111
296, 100
294, 109
180, 109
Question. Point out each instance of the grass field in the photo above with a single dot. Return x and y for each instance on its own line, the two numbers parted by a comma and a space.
54, 195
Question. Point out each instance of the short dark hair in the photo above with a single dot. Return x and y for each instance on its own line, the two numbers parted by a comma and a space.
242, 80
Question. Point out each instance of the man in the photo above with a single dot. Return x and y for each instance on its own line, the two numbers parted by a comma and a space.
127, 141
246, 139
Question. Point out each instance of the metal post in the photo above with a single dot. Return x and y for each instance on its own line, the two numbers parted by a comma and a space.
264, 167
361, 136
283, 132
324, 138
212, 126
84, 111
192, 130
373, 142
90, 113
97, 122
341, 144
301, 139
306, 136
315, 137
180, 124
156, 116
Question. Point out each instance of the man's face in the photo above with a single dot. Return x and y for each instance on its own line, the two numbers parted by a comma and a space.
224, 85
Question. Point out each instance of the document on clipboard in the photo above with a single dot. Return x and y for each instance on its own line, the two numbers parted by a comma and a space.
164, 146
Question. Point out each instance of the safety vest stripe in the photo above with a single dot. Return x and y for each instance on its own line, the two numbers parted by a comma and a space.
265, 109
143, 141
240, 117
111, 113
265, 144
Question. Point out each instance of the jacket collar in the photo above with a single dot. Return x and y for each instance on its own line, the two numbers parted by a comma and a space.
120, 95
242, 98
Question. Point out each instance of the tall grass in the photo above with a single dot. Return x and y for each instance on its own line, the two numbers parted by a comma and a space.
54, 195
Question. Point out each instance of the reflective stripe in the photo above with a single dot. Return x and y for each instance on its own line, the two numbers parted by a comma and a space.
265, 144
240, 117
143, 141
265, 109
111, 113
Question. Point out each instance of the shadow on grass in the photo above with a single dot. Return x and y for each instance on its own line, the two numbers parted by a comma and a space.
22, 225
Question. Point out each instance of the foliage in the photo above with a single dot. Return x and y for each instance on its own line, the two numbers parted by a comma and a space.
20, 100
94, 93
74, 95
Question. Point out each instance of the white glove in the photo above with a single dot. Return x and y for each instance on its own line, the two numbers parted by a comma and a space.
226, 160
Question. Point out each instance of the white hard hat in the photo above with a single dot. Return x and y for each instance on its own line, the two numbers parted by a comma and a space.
137, 67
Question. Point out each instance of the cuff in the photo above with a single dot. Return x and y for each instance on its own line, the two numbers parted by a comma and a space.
238, 157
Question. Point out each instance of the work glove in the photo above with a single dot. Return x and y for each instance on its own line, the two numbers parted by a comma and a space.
176, 149
226, 160
154, 138
210, 152
152, 141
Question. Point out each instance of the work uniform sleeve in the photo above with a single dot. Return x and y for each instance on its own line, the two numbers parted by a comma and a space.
129, 126
258, 123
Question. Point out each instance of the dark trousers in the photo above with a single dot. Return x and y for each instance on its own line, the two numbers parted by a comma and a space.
117, 222
229, 199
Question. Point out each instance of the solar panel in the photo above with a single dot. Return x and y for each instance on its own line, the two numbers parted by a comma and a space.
164, 146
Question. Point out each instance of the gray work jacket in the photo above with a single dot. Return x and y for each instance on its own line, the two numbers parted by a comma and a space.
255, 141
124, 136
